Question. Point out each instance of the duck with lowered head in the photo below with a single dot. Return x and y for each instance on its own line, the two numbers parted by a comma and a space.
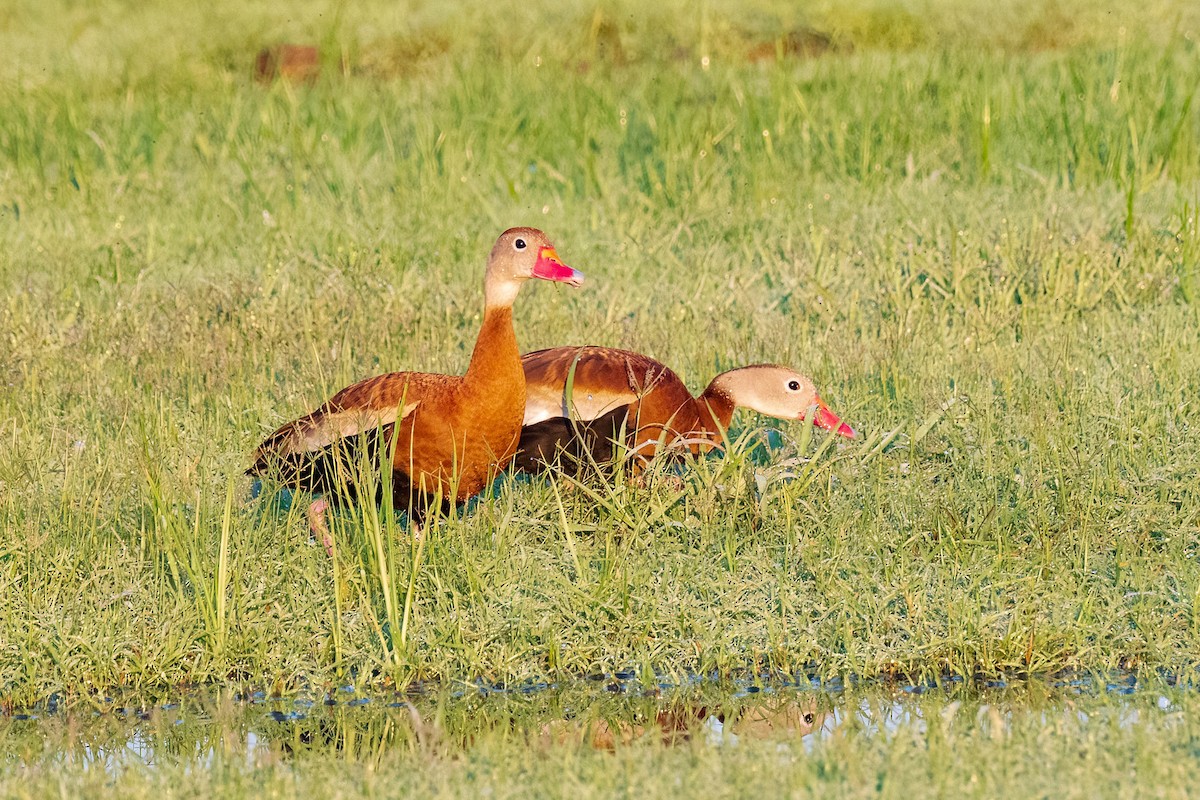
615, 390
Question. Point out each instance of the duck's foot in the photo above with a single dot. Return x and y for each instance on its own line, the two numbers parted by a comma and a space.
318, 524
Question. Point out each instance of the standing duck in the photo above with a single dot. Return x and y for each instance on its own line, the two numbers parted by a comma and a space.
615, 390
447, 436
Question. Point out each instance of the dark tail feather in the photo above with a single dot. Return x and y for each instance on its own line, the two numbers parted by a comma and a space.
569, 444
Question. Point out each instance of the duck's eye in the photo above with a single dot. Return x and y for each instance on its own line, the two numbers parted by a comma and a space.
519, 244
794, 386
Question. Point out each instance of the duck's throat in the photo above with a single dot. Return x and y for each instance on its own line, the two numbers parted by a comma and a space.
498, 293
716, 409
496, 357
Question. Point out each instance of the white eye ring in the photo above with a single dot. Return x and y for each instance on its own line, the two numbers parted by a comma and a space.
519, 244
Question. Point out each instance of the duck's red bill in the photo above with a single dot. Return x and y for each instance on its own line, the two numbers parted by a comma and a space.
832, 422
549, 267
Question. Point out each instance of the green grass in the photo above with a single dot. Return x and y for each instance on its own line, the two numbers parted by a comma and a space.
975, 225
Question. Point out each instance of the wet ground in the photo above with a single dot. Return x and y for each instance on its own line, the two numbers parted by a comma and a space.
602, 711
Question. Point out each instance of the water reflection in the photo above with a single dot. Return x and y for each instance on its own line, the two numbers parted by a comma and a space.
200, 729
792, 717
606, 713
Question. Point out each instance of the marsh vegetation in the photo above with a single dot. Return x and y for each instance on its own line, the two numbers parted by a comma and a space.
977, 226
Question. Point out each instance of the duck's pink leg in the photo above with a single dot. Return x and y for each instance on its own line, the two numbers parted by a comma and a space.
318, 525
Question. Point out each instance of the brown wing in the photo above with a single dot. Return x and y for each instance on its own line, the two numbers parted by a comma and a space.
613, 390
605, 379
369, 405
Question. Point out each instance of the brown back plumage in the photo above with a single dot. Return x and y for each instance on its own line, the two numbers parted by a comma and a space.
605, 378
613, 390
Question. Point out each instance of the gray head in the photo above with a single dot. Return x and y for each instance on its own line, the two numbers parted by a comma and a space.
778, 392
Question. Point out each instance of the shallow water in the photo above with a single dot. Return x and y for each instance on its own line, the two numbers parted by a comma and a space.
601, 711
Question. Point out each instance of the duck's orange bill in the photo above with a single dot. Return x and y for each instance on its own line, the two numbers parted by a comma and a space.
831, 422
549, 267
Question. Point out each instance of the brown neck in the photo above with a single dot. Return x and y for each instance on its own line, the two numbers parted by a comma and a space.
716, 408
496, 356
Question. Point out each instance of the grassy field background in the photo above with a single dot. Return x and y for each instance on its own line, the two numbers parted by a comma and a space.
977, 226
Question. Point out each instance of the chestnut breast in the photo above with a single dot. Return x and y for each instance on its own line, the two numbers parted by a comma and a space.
470, 435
